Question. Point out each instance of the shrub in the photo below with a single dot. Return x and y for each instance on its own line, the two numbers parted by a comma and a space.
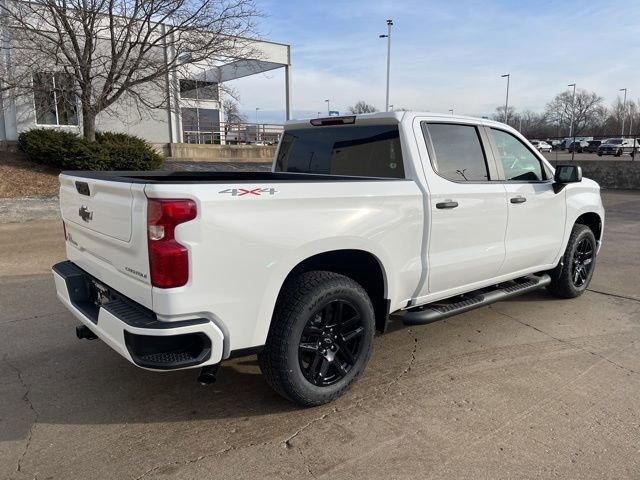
68, 151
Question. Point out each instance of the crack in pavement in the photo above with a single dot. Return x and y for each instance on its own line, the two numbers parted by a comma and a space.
199, 458
615, 295
566, 342
27, 400
287, 441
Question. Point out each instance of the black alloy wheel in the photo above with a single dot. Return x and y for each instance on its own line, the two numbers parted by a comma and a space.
320, 338
571, 277
330, 344
582, 262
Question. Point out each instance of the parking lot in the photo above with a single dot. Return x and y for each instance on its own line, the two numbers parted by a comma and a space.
525, 388
563, 156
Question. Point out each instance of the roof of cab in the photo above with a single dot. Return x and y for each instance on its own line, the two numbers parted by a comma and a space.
381, 118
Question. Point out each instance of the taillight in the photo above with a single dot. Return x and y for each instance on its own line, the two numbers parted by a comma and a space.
168, 260
64, 230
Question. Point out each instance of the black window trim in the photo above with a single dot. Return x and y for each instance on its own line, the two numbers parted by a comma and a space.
496, 153
489, 158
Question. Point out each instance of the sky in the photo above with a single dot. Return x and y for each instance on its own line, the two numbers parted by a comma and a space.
445, 54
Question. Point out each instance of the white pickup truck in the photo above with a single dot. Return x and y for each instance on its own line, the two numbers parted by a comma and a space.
420, 214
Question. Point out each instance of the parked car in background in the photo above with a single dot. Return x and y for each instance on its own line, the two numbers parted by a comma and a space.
616, 147
593, 145
541, 145
555, 144
578, 146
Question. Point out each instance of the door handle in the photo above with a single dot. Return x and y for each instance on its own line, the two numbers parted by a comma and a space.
518, 200
447, 204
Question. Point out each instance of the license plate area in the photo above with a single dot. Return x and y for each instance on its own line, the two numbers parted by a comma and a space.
99, 294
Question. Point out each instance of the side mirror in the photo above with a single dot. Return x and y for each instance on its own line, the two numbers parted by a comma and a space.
566, 174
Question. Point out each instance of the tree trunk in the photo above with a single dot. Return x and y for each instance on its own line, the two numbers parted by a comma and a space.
88, 124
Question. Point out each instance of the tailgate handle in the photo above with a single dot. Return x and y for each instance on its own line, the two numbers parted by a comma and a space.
83, 188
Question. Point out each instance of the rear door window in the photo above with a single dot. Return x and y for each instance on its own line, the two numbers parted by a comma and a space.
457, 152
361, 151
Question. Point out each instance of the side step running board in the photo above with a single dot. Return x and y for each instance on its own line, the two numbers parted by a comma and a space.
480, 298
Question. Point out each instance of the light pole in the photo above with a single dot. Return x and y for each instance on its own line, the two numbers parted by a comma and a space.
506, 102
328, 107
257, 128
624, 109
388, 37
573, 113
451, 111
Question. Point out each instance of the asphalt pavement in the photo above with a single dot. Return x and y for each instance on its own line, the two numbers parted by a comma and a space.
534, 387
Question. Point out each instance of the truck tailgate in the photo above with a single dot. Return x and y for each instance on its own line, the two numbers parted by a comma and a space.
103, 207
106, 236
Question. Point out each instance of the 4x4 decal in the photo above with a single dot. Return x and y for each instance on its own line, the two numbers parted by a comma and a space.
241, 192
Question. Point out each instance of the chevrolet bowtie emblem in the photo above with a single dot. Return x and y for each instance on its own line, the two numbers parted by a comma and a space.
85, 214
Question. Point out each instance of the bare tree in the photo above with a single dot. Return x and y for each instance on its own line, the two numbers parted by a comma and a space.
499, 115
362, 107
588, 112
231, 111
112, 52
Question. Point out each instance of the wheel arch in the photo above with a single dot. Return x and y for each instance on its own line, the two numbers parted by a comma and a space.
592, 220
361, 266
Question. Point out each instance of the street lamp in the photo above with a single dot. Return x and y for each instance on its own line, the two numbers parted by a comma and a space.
257, 128
388, 37
506, 102
328, 106
624, 109
573, 113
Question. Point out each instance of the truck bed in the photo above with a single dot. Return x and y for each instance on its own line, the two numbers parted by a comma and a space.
170, 177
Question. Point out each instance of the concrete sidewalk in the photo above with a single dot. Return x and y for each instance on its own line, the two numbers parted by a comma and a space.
530, 388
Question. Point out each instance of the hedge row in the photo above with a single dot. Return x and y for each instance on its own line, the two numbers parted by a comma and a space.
68, 151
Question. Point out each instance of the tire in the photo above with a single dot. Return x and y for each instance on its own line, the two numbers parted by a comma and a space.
320, 339
618, 153
580, 254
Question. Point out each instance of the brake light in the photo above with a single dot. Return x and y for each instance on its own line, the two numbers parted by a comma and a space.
168, 259
318, 122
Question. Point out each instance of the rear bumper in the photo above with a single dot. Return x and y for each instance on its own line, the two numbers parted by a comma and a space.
134, 331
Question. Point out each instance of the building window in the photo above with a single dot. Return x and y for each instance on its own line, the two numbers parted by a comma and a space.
198, 89
54, 98
201, 125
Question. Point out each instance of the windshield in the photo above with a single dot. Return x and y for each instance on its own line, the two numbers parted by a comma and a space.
615, 141
361, 151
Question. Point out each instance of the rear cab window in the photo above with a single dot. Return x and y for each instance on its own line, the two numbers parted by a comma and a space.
358, 150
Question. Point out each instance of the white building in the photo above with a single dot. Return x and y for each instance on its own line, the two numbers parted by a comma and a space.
193, 115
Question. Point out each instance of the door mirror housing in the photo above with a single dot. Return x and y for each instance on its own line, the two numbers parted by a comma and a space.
566, 174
